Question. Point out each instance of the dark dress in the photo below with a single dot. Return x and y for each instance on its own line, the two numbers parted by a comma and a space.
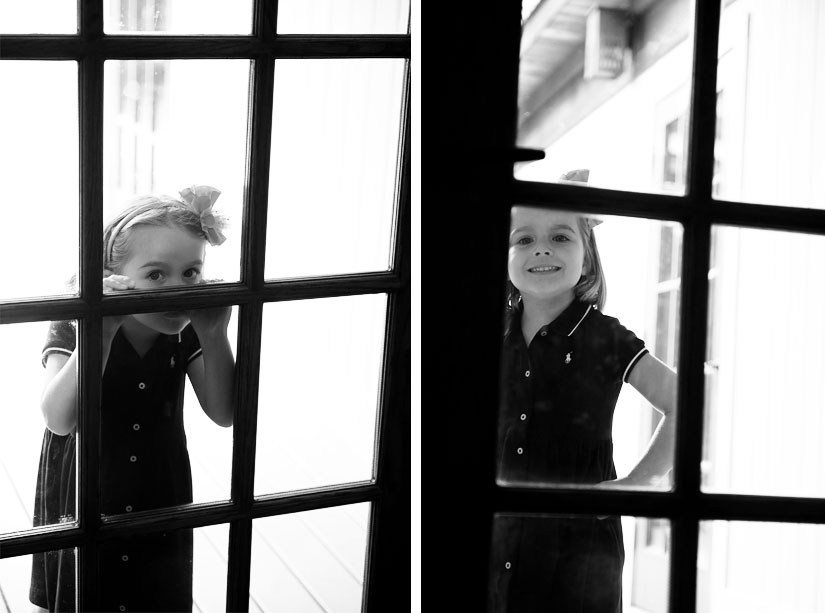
144, 465
555, 426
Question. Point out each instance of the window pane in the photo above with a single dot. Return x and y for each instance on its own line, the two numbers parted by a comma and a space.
37, 480
211, 546
157, 140
38, 158
178, 17
318, 398
769, 145
161, 448
38, 17
756, 566
310, 561
578, 563
567, 351
44, 579
335, 141
764, 409
343, 17
596, 93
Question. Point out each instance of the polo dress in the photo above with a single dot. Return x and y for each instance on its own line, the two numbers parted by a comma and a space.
555, 427
144, 464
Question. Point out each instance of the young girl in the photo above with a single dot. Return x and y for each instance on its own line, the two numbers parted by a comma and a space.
158, 241
564, 364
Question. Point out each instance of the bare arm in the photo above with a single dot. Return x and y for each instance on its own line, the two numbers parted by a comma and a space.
655, 381
213, 373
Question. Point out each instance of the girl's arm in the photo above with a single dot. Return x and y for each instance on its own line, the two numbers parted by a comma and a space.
58, 401
655, 381
213, 373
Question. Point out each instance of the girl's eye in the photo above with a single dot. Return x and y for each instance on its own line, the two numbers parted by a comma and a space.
154, 275
192, 273
524, 240
561, 238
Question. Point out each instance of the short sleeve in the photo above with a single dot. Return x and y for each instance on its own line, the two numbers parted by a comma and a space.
190, 343
61, 338
627, 348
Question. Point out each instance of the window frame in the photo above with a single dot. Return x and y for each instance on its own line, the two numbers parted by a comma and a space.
488, 48
388, 493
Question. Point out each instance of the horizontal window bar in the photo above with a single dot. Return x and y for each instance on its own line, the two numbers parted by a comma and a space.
51, 47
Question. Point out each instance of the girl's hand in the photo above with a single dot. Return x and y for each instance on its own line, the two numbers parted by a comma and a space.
111, 284
210, 322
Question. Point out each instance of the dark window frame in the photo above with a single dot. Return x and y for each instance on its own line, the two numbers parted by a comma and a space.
389, 493
482, 149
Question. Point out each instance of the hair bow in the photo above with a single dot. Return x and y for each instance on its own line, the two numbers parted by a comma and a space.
200, 198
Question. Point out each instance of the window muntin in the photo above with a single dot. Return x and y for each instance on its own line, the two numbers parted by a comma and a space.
317, 405
343, 17
334, 145
310, 561
177, 17
38, 155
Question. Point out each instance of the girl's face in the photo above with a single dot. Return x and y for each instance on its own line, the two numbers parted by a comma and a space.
163, 257
546, 253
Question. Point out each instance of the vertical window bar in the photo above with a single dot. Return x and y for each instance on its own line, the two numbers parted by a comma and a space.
390, 517
90, 92
696, 261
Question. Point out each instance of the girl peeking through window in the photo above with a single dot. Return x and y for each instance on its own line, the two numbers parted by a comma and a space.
157, 242
564, 363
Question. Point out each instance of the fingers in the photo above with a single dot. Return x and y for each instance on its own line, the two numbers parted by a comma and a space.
117, 283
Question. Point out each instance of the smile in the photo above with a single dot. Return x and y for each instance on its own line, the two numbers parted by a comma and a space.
543, 269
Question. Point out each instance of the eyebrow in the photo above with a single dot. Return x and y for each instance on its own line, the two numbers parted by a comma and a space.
558, 227
154, 264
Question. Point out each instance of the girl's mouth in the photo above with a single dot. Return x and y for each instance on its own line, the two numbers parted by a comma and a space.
543, 269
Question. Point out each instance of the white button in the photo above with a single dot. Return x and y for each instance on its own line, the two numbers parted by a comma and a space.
136, 427
519, 451
142, 385
124, 558
133, 458
523, 416
544, 332
122, 608
507, 565
527, 373
128, 508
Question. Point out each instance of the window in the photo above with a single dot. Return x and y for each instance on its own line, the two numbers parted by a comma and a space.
718, 191
132, 80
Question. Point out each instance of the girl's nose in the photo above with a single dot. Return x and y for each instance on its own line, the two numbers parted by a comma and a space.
544, 251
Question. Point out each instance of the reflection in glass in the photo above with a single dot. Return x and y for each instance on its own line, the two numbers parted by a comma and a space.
564, 359
318, 397
38, 17
760, 566
309, 561
766, 356
38, 157
25, 442
335, 135
575, 563
343, 16
22, 582
157, 141
607, 89
769, 146
177, 17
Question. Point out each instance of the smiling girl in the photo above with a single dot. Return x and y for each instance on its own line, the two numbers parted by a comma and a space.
157, 242
564, 364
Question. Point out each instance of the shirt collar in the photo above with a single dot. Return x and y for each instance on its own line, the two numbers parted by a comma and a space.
564, 325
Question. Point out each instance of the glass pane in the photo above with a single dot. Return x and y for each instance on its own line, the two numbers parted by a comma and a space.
209, 576
177, 17
38, 17
318, 397
157, 141
578, 563
163, 447
761, 567
44, 579
311, 561
39, 147
769, 145
37, 479
596, 93
343, 17
569, 345
764, 411
335, 137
